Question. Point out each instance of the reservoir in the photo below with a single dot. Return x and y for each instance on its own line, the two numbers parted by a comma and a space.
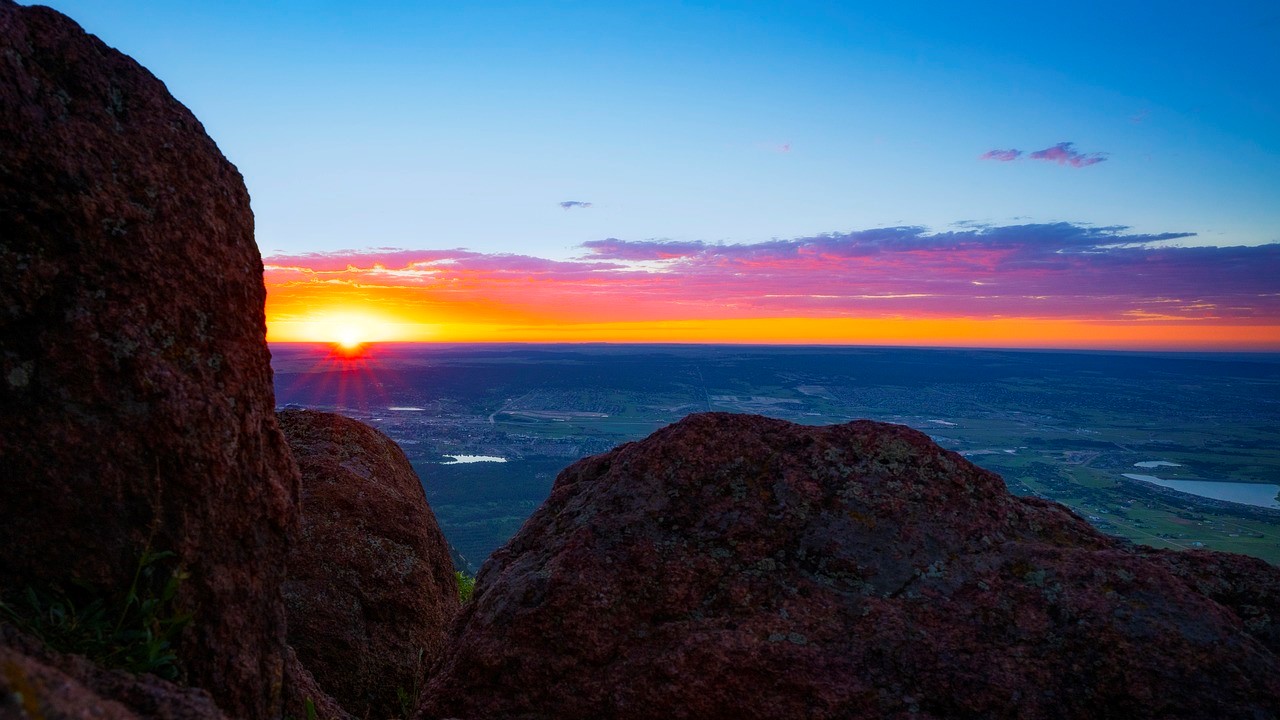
459, 459
1259, 494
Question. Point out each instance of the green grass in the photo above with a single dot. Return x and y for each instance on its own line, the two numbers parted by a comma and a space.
134, 629
466, 586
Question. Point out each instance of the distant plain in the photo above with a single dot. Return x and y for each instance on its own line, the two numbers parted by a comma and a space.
1068, 426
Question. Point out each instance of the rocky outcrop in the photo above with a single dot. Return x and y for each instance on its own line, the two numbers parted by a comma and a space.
738, 566
1247, 586
727, 566
136, 406
38, 683
371, 592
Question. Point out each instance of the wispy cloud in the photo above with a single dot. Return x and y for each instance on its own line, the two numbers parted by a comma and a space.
616, 249
1065, 153
571, 204
1057, 270
1001, 155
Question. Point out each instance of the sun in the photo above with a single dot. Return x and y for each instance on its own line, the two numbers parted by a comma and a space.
348, 341
348, 331
348, 338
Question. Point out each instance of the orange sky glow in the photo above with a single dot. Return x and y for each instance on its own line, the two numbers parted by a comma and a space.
1033, 286
339, 314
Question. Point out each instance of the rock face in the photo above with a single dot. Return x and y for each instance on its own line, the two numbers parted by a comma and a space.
304, 697
737, 566
136, 406
370, 592
36, 683
1247, 586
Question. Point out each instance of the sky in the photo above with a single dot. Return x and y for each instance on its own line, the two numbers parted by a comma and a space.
1085, 174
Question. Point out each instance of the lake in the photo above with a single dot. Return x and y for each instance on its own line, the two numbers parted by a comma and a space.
460, 459
1259, 494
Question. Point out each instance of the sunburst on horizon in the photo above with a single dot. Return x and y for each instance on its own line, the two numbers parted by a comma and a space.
348, 332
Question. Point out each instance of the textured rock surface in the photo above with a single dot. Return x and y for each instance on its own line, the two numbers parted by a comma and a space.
136, 403
737, 566
36, 683
304, 696
371, 592
1247, 586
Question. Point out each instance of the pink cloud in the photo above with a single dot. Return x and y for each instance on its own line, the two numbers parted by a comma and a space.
1001, 155
343, 260
1064, 153
1062, 270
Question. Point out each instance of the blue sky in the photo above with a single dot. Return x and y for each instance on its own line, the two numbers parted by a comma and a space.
465, 125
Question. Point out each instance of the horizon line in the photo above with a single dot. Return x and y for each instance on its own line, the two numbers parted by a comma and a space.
822, 345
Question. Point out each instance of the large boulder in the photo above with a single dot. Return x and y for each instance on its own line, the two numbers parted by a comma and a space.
371, 592
136, 406
739, 566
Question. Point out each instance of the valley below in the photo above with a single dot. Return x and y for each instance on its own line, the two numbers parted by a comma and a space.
1126, 440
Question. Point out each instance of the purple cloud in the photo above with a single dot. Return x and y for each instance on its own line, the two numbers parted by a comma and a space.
638, 250
1016, 243
1001, 155
1064, 269
570, 204
1064, 153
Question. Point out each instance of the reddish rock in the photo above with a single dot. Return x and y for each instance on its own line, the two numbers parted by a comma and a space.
136, 406
1247, 586
37, 683
30, 688
303, 696
371, 591
738, 566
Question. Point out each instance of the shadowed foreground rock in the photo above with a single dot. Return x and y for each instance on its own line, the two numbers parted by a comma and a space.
38, 683
738, 566
370, 592
136, 406
1245, 585
303, 696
